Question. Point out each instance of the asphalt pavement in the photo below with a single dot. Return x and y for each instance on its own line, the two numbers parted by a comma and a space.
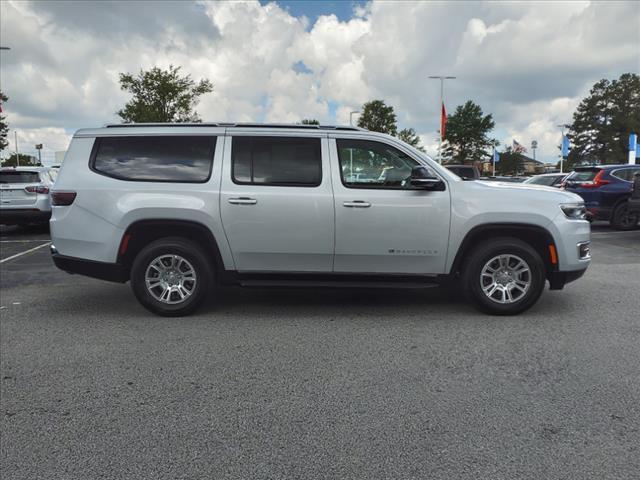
329, 384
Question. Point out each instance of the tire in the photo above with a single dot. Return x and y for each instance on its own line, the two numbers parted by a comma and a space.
186, 275
529, 284
624, 219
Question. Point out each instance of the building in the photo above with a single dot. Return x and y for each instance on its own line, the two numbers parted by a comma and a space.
530, 166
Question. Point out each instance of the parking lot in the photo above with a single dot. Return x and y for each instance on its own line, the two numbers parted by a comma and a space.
318, 383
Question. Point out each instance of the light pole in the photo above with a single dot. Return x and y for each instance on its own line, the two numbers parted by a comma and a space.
351, 114
562, 127
442, 78
15, 133
39, 148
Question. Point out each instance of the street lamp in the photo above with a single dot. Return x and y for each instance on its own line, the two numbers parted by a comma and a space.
39, 148
442, 78
351, 114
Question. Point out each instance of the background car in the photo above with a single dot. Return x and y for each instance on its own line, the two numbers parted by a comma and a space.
547, 179
605, 190
466, 172
24, 195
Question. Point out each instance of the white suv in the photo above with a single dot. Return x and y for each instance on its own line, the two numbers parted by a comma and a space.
177, 209
24, 195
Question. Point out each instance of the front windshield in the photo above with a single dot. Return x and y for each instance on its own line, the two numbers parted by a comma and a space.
548, 181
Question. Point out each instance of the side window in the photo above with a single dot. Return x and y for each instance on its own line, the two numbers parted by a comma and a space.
369, 164
622, 174
155, 158
276, 161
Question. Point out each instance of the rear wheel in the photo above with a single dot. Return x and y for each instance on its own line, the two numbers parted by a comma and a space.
171, 277
624, 218
504, 276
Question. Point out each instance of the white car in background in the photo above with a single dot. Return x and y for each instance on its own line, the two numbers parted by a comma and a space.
24, 195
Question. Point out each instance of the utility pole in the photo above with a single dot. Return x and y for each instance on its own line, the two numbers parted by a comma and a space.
351, 114
442, 78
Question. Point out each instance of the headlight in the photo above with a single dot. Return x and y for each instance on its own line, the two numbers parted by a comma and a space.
574, 211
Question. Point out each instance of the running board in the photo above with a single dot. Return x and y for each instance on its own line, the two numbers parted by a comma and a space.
335, 284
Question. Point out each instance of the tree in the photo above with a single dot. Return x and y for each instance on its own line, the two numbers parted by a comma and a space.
378, 117
409, 135
603, 121
310, 121
467, 134
162, 96
509, 163
25, 160
4, 126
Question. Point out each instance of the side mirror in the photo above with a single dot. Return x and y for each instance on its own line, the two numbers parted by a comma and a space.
421, 178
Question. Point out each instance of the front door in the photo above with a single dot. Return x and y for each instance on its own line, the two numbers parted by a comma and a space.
383, 224
276, 203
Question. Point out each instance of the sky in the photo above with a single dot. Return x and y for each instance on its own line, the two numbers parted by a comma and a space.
527, 63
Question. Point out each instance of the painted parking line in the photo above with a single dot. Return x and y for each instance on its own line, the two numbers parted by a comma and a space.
17, 255
614, 233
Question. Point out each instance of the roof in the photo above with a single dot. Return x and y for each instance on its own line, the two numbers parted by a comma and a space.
242, 125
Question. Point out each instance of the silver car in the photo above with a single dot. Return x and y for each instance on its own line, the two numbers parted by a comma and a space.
24, 195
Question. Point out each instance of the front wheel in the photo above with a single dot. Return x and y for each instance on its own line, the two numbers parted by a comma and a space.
171, 277
504, 276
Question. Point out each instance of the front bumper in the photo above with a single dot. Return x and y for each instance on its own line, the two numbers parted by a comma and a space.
112, 272
13, 216
557, 280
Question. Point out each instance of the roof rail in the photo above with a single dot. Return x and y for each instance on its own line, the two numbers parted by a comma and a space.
244, 125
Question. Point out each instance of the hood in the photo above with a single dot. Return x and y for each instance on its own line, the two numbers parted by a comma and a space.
535, 192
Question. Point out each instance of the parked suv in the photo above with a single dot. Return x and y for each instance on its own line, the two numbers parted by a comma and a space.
177, 209
605, 190
24, 195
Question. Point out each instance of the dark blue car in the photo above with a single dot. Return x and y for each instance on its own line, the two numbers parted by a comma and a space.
605, 190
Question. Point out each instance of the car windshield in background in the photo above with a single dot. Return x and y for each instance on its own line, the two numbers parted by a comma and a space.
583, 175
548, 181
19, 177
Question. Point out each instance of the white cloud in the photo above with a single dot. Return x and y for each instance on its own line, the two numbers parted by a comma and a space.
527, 63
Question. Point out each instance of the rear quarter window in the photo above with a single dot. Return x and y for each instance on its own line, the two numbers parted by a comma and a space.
182, 159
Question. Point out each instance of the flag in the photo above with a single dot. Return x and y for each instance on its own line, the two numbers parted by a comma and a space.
443, 122
565, 146
633, 142
518, 148
496, 156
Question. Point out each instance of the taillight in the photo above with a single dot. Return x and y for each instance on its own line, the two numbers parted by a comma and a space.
37, 189
62, 199
597, 181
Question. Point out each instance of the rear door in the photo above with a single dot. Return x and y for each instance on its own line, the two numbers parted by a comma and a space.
12, 188
276, 202
383, 224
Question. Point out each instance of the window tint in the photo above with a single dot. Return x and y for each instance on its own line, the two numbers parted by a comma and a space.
367, 164
285, 161
19, 177
624, 174
161, 159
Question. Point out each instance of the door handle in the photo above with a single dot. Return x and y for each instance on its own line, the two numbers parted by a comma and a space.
357, 204
243, 201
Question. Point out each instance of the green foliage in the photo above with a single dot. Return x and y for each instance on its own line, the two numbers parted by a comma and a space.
467, 134
25, 161
509, 163
378, 117
4, 126
310, 121
603, 121
409, 135
162, 96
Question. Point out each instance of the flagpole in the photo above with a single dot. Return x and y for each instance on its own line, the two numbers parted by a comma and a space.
442, 78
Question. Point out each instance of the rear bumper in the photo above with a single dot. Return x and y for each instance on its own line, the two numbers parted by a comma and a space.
557, 280
112, 272
11, 216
